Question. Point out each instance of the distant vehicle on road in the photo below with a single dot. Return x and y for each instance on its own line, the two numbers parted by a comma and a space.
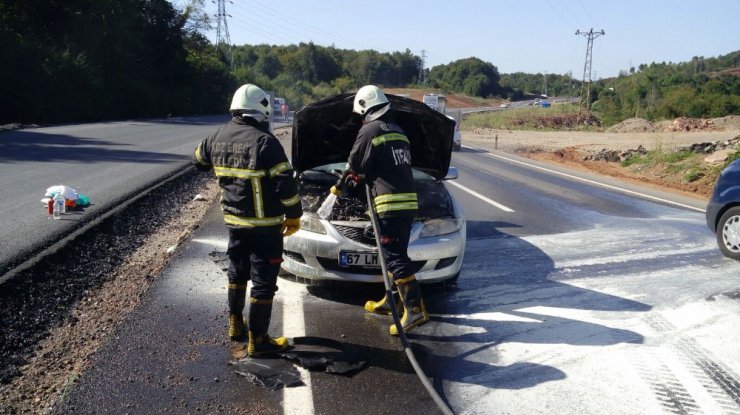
277, 104
436, 102
723, 211
457, 138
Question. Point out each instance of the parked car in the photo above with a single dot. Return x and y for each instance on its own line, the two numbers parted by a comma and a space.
723, 211
457, 137
342, 247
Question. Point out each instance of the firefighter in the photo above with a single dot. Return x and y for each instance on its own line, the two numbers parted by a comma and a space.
261, 206
382, 153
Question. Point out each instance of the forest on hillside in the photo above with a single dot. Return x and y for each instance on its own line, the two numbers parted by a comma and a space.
88, 60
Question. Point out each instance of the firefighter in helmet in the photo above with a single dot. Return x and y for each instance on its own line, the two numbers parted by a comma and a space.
382, 153
261, 206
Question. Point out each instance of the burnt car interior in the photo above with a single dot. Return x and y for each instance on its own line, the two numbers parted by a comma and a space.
314, 184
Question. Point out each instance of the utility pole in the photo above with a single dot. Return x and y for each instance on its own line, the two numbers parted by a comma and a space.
544, 86
570, 83
586, 84
222, 28
422, 73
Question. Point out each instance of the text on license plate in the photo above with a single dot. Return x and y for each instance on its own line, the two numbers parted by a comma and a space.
361, 259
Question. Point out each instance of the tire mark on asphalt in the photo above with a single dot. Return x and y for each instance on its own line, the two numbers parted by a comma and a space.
720, 382
668, 390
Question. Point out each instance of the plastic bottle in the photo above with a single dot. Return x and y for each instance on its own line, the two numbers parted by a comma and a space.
58, 206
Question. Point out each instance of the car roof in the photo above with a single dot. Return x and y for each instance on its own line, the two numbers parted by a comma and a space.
324, 132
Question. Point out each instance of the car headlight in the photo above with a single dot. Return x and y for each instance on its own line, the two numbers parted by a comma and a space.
312, 223
436, 227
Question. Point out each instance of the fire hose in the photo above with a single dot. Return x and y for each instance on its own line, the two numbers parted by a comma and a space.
441, 404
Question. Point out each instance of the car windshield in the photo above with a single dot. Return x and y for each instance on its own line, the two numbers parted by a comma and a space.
337, 170
314, 184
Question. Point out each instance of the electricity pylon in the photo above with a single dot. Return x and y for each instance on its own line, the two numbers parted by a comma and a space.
222, 28
586, 84
422, 73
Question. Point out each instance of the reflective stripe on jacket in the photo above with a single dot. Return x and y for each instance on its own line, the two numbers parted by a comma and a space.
256, 179
382, 153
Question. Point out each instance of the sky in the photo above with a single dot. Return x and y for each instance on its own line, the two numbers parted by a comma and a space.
531, 36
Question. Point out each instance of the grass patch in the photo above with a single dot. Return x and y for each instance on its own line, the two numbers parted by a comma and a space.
68, 385
658, 156
685, 164
556, 118
693, 174
732, 157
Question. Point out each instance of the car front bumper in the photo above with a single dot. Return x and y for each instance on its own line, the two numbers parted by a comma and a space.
712, 214
316, 256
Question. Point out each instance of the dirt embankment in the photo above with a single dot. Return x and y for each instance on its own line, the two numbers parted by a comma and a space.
453, 100
577, 148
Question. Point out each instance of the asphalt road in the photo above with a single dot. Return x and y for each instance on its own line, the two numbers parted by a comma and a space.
577, 296
108, 162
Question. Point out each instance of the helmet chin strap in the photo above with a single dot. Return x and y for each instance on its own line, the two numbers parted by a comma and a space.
257, 116
375, 113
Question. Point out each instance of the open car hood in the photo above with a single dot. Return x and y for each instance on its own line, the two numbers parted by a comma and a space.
324, 132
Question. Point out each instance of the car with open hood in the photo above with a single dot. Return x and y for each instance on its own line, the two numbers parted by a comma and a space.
342, 247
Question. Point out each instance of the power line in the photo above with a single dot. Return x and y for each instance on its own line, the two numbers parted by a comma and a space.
586, 10
570, 12
284, 23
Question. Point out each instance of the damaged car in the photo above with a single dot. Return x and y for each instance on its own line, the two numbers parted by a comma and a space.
342, 247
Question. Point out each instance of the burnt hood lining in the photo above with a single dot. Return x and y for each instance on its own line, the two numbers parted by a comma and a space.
324, 132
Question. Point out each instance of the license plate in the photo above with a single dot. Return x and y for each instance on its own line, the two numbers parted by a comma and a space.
358, 259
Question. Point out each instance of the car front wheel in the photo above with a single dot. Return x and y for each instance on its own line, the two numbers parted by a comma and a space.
728, 233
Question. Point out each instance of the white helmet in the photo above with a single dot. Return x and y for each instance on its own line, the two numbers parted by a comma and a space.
249, 98
367, 97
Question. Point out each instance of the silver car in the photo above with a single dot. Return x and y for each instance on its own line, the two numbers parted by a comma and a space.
342, 247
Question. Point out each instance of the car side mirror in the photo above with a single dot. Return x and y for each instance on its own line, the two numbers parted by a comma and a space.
451, 173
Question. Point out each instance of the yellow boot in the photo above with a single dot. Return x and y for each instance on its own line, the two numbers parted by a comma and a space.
237, 328
260, 343
237, 297
414, 312
382, 306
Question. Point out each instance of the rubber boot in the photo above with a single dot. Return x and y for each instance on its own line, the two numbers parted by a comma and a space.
260, 343
383, 306
237, 297
414, 312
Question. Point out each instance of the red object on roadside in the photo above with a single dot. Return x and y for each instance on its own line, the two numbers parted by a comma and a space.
50, 205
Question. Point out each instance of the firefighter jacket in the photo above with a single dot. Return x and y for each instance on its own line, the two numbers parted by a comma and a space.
258, 189
382, 153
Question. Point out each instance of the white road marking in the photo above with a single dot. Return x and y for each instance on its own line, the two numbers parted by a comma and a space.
617, 188
297, 400
481, 197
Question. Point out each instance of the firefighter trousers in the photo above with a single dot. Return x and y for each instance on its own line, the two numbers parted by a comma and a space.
255, 256
394, 236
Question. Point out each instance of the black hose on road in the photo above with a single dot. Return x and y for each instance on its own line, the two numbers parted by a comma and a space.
441, 404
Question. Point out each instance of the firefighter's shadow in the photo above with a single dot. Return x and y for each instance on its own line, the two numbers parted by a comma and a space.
514, 296
509, 291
